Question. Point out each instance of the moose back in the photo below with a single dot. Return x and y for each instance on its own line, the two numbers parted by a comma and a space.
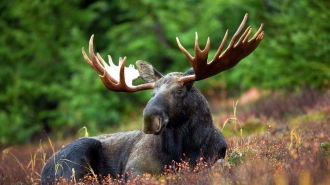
177, 120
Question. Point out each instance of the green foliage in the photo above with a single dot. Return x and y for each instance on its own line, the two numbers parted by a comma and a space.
325, 147
45, 84
235, 158
295, 50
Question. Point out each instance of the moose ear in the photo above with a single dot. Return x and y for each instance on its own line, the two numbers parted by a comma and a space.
191, 83
147, 72
189, 72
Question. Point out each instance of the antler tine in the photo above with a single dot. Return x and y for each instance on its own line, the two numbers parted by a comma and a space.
239, 30
86, 57
98, 56
222, 45
116, 82
95, 61
222, 60
200, 55
184, 51
245, 36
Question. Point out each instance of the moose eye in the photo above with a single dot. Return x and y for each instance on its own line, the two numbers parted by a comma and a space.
179, 91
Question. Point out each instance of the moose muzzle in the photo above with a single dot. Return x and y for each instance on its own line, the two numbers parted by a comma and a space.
155, 118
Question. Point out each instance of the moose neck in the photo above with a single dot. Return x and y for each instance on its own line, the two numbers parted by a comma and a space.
190, 128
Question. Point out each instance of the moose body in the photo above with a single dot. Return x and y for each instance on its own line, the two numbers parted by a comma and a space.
177, 124
187, 134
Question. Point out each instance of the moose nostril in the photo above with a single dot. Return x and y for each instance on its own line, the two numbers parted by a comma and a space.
159, 124
156, 124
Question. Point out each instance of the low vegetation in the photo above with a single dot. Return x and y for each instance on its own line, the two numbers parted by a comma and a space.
293, 148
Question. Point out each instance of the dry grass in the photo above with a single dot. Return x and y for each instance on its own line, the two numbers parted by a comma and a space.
290, 150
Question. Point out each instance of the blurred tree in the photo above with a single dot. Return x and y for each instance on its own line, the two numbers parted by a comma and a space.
295, 51
45, 85
38, 49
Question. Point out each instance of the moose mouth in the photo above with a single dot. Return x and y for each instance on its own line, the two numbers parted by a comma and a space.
155, 125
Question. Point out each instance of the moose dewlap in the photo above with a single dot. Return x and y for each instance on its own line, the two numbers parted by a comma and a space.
177, 120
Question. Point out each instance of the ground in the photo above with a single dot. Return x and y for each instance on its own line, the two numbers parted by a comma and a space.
273, 138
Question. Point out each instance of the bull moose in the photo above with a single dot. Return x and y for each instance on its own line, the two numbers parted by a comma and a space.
177, 120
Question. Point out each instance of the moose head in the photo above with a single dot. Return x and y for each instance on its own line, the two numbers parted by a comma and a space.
172, 89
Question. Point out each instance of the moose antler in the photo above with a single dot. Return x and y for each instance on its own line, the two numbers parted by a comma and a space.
221, 61
114, 81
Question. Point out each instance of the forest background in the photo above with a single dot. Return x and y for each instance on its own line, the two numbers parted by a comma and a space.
46, 88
